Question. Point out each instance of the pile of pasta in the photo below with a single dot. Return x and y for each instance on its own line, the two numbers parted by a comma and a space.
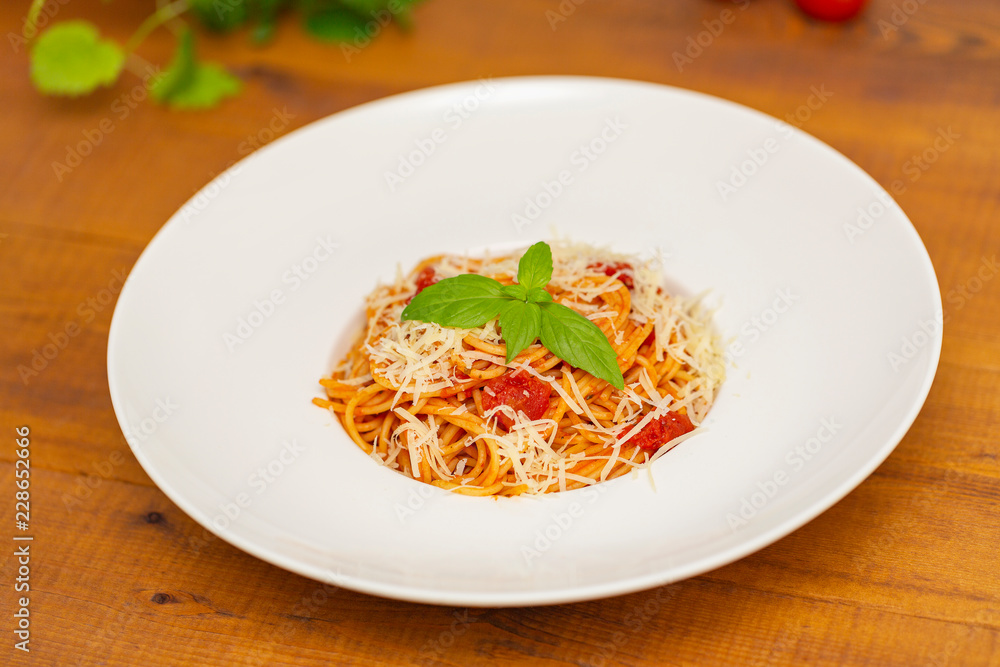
422, 399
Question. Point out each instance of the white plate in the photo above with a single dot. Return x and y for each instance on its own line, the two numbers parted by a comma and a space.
832, 323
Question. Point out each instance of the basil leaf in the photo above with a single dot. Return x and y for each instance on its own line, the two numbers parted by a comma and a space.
520, 324
538, 295
191, 84
334, 24
465, 301
71, 58
535, 267
221, 17
573, 338
516, 292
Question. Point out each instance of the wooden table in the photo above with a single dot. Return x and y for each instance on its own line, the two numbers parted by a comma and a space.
901, 572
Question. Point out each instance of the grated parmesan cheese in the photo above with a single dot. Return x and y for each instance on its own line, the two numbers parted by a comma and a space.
419, 360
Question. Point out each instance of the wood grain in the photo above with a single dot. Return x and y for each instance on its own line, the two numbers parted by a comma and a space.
901, 572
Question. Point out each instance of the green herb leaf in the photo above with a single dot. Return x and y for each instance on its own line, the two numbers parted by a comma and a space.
220, 15
465, 301
380, 10
573, 338
526, 312
516, 291
266, 14
71, 59
31, 20
188, 84
180, 72
538, 295
336, 24
365, 6
535, 267
209, 86
263, 32
520, 324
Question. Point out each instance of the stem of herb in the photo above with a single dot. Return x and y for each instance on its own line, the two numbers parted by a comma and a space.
163, 14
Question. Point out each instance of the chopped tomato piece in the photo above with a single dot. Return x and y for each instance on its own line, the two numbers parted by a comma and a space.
519, 390
624, 268
660, 431
831, 10
425, 279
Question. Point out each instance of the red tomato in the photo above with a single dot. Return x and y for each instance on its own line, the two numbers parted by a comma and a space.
831, 10
425, 279
519, 390
660, 431
611, 269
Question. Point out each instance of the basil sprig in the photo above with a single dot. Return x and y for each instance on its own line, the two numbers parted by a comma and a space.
526, 313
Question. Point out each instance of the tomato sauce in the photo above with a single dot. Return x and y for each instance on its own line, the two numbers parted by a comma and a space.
611, 269
660, 431
520, 391
425, 279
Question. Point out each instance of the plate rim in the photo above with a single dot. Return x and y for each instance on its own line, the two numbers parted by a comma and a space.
576, 593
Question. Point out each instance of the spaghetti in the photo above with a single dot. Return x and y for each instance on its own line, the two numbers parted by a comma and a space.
440, 404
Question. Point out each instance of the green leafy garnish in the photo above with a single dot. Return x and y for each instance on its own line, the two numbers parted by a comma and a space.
31, 20
526, 312
267, 19
71, 59
571, 336
220, 15
516, 291
520, 324
464, 302
335, 24
189, 84
535, 268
